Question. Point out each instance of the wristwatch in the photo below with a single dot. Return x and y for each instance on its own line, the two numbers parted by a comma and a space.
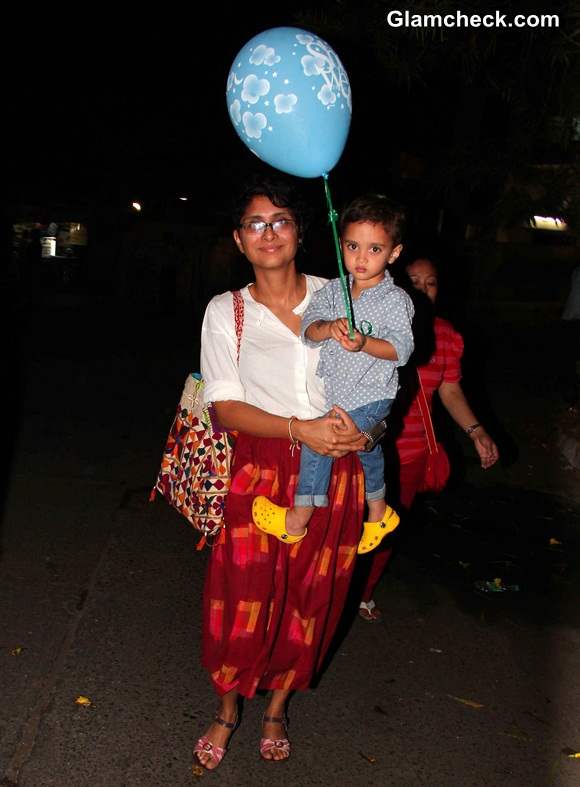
375, 435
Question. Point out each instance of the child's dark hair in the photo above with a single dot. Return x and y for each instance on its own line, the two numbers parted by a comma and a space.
377, 209
281, 192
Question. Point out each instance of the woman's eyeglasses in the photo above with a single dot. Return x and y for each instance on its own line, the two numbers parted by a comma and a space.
260, 227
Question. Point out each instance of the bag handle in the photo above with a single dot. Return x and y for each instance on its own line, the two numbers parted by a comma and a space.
238, 319
238, 303
426, 416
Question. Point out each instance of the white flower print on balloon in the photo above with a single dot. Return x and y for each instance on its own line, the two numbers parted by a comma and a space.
254, 124
264, 54
312, 66
254, 89
235, 111
285, 103
232, 82
288, 97
321, 60
326, 95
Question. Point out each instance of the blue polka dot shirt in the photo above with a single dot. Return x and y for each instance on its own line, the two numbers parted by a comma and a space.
353, 379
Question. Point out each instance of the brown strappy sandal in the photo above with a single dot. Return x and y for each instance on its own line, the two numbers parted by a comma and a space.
281, 744
215, 752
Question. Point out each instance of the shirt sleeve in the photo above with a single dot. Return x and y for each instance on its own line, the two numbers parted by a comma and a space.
218, 358
319, 308
398, 330
453, 350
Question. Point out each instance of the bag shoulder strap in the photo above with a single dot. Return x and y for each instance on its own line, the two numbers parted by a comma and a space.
426, 415
238, 319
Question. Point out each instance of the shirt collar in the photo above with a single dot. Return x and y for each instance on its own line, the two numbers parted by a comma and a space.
379, 289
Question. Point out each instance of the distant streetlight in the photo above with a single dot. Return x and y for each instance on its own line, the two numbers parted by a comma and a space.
183, 199
548, 223
136, 206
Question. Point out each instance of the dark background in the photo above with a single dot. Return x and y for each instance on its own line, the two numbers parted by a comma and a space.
474, 130
108, 109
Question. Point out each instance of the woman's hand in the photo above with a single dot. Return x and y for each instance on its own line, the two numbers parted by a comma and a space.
454, 401
334, 434
485, 447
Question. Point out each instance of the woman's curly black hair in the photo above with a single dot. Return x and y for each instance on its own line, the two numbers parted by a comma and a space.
281, 192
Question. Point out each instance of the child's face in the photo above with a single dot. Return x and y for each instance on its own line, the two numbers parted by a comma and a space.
368, 248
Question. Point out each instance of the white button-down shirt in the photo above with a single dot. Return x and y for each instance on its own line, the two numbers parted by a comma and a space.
276, 371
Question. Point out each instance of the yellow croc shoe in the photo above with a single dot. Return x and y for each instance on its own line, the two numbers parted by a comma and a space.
374, 532
271, 519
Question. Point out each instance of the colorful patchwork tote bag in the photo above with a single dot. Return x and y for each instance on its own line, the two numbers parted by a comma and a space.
194, 476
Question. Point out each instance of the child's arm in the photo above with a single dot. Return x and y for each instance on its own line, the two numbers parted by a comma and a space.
378, 348
399, 346
318, 322
320, 330
316, 317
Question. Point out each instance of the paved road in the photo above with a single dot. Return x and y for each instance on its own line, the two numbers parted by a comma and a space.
99, 592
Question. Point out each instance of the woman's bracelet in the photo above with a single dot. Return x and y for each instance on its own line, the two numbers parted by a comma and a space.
472, 428
293, 441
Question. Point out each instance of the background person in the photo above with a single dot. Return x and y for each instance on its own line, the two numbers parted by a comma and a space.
442, 374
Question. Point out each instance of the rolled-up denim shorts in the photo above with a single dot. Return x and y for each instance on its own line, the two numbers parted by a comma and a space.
315, 469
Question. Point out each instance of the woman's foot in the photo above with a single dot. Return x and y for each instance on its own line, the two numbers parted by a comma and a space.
274, 744
271, 519
210, 749
369, 611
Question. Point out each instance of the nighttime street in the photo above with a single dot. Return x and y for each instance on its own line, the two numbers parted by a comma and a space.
457, 686
125, 155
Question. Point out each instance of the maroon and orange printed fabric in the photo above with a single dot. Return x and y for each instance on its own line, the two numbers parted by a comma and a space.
271, 609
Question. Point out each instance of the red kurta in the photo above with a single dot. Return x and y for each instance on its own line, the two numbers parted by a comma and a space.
444, 366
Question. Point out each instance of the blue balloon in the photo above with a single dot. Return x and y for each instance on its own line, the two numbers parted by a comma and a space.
289, 99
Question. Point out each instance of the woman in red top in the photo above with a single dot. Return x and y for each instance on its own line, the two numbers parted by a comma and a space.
442, 374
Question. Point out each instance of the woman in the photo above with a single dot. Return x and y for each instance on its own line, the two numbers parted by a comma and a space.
270, 610
442, 374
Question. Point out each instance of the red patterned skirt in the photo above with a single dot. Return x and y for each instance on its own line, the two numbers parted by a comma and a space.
271, 609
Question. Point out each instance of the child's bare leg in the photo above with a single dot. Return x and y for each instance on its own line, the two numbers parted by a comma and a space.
297, 518
376, 509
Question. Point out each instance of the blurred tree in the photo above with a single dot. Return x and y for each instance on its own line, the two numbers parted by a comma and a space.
485, 110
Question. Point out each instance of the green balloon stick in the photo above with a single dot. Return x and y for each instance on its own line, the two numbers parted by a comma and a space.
333, 215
